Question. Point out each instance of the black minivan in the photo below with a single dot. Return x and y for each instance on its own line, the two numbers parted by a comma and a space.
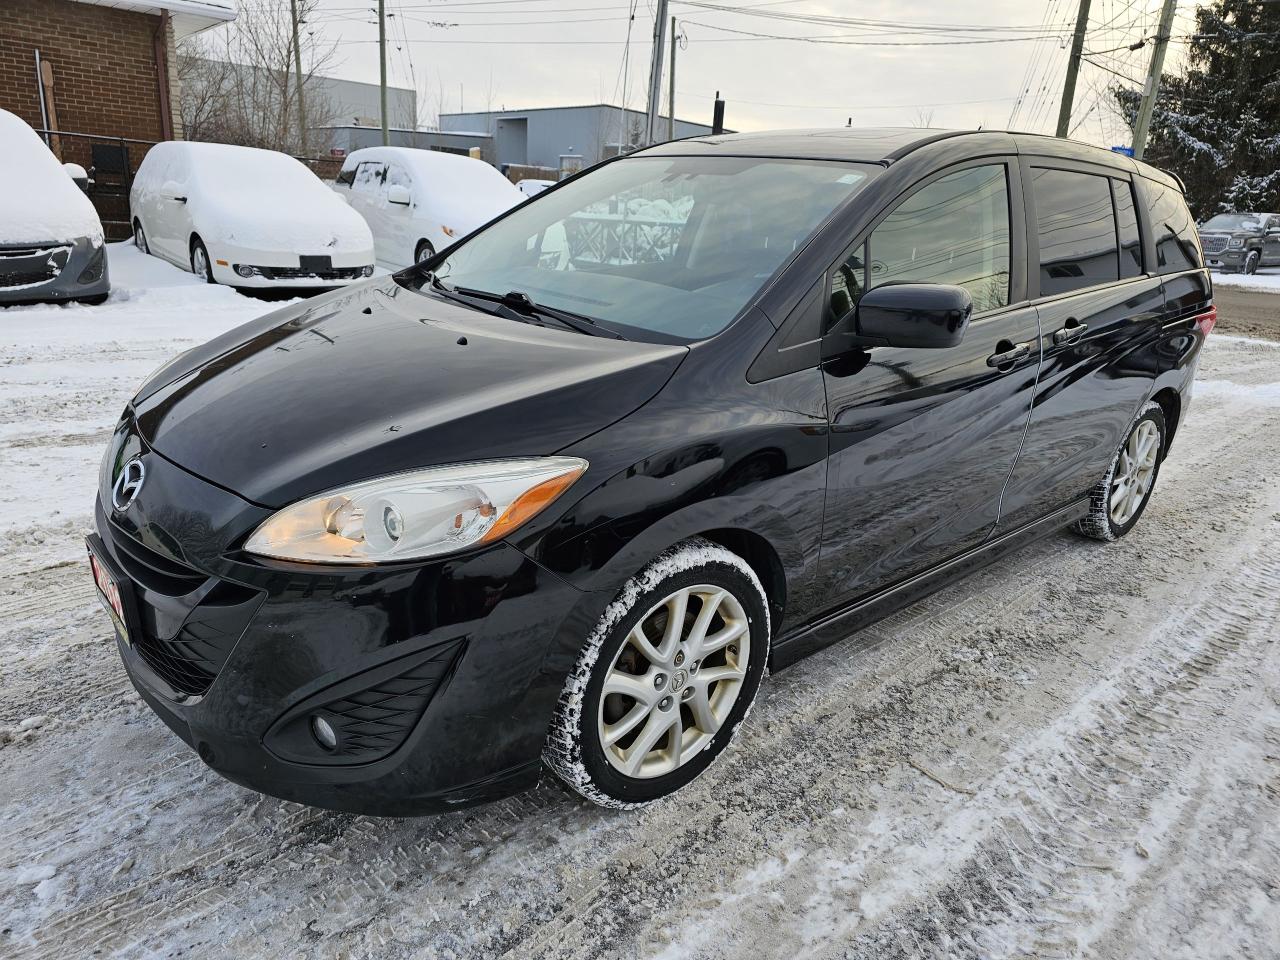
559, 495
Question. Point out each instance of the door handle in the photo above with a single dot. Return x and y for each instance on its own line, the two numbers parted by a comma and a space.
1008, 353
1072, 331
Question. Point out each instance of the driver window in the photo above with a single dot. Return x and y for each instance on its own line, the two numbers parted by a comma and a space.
954, 231
369, 176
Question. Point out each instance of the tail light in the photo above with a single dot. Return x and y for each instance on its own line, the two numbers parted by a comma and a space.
1206, 320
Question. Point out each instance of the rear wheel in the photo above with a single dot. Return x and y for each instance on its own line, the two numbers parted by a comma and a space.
140, 237
666, 678
201, 265
1117, 502
425, 251
1251, 260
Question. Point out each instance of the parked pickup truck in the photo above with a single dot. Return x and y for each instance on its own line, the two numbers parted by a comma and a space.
1241, 242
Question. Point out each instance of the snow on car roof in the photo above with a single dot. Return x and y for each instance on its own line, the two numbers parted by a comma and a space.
40, 202
461, 171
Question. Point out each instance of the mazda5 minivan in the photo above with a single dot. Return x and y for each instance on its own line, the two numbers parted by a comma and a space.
556, 497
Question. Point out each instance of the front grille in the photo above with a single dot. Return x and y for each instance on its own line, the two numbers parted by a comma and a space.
154, 570
191, 659
30, 266
1214, 244
298, 273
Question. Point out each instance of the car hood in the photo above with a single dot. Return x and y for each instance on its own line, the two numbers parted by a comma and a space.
378, 379
314, 225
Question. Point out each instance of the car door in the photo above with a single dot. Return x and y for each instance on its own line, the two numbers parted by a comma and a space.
365, 194
1271, 242
922, 440
401, 233
170, 214
1100, 305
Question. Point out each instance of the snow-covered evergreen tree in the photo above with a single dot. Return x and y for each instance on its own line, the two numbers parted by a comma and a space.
1217, 126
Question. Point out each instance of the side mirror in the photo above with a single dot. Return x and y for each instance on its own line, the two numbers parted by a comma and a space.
172, 190
398, 193
923, 316
78, 174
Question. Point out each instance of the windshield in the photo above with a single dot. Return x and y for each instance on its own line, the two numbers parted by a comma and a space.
1234, 221
675, 246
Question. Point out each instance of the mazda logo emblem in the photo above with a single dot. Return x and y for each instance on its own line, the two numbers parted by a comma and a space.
128, 485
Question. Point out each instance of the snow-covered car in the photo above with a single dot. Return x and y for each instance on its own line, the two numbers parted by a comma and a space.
419, 201
531, 188
50, 235
246, 217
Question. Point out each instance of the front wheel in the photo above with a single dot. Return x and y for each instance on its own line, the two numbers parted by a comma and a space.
201, 265
425, 251
1118, 500
665, 679
140, 237
1251, 261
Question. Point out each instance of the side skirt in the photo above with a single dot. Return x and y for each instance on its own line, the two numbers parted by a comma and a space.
839, 625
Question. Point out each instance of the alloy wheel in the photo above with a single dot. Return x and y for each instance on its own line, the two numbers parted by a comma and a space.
200, 261
674, 681
1134, 473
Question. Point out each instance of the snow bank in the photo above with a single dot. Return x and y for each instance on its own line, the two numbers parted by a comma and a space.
1258, 282
39, 202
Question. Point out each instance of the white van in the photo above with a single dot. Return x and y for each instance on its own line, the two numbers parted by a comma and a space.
246, 217
419, 201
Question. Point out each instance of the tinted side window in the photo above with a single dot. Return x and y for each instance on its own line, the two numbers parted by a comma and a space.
1177, 243
956, 231
1077, 230
346, 177
1127, 224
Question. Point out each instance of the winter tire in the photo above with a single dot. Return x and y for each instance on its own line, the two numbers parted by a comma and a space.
201, 265
425, 251
1251, 262
1117, 502
140, 237
666, 678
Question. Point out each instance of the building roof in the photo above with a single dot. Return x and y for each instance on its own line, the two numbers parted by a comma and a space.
189, 16
573, 106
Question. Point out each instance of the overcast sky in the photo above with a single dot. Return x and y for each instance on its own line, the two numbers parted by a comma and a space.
530, 53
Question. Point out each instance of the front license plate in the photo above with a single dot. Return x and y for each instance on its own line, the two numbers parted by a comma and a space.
315, 264
109, 593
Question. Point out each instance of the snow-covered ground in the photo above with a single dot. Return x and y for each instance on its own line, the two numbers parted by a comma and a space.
1266, 280
1074, 752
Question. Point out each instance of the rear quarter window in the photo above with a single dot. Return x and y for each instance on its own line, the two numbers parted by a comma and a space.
1176, 240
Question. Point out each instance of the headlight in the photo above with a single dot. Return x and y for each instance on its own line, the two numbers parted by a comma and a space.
1236, 242
424, 513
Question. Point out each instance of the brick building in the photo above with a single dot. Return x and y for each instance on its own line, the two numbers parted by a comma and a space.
101, 68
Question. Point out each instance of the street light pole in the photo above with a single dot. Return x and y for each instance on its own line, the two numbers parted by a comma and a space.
671, 87
1073, 70
297, 73
1151, 89
382, 69
655, 73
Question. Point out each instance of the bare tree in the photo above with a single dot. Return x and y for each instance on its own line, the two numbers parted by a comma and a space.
924, 118
239, 87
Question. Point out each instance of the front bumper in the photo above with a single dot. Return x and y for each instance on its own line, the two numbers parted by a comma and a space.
225, 256
53, 272
435, 675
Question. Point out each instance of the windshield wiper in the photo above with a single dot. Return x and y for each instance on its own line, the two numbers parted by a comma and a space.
525, 309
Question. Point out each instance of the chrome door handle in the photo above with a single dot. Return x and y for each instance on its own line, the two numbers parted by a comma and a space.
1072, 331
1011, 353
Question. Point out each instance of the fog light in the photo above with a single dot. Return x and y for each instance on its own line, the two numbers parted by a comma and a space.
367, 270
324, 733
245, 270
93, 272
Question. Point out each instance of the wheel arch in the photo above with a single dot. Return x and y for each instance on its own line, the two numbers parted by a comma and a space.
1170, 402
763, 560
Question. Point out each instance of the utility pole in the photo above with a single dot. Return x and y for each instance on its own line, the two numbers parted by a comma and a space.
655, 73
382, 69
1073, 70
671, 87
1151, 88
297, 74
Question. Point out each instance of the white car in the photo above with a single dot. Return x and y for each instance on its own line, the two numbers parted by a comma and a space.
246, 217
419, 201
531, 188
50, 234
